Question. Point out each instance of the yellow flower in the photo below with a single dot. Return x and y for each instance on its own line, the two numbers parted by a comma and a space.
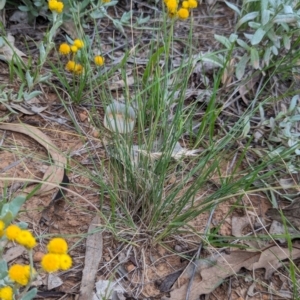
185, 4
19, 274
99, 60
6, 293
2, 226
57, 246
192, 3
105, 1
50, 262
183, 13
78, 69
74, 49
52, 4
12, 231
59, 7
78, 43
55, 6
172, 6
64, 49
65, 262
26, 239
70, 66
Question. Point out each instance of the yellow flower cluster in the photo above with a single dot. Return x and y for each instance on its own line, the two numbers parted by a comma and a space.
21, 236
19, 274
66, 49
182, 12
6, 293
57, 258
55, 6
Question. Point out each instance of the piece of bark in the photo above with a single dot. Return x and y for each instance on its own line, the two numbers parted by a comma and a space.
93, 255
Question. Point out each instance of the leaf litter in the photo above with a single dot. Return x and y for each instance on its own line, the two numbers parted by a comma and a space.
222, 265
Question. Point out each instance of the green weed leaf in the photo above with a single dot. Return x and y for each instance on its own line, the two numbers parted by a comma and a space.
254, 58
241, 66
233, 7
2, 4
247, 18
258, 36
30, 295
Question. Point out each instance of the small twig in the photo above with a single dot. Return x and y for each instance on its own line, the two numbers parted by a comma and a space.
198, 255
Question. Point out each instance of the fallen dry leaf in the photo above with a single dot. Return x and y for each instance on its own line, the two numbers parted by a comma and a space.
8, 52
210, 273
93, 255
291, 212
55, 173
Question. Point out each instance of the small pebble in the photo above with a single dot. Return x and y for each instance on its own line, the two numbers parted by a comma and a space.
83, 116
178, 248
37, 257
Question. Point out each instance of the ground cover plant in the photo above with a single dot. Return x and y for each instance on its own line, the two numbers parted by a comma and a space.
162, 139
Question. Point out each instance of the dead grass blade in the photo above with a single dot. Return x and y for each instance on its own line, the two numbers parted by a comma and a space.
55, 172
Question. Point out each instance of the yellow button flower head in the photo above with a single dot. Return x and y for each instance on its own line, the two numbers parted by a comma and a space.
59, 7
183, 13
52, 4
78, 69
50, 262
105, 1
6, 293
64, 49
172, 6
65, 262
70, 66
58, 246
19, 274
99, 60
55, 6
2, 226
74, 49
26, 239
78, 43
192, 3
12, 231
185, 4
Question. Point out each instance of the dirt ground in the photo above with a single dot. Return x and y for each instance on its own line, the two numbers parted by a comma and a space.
141, 269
